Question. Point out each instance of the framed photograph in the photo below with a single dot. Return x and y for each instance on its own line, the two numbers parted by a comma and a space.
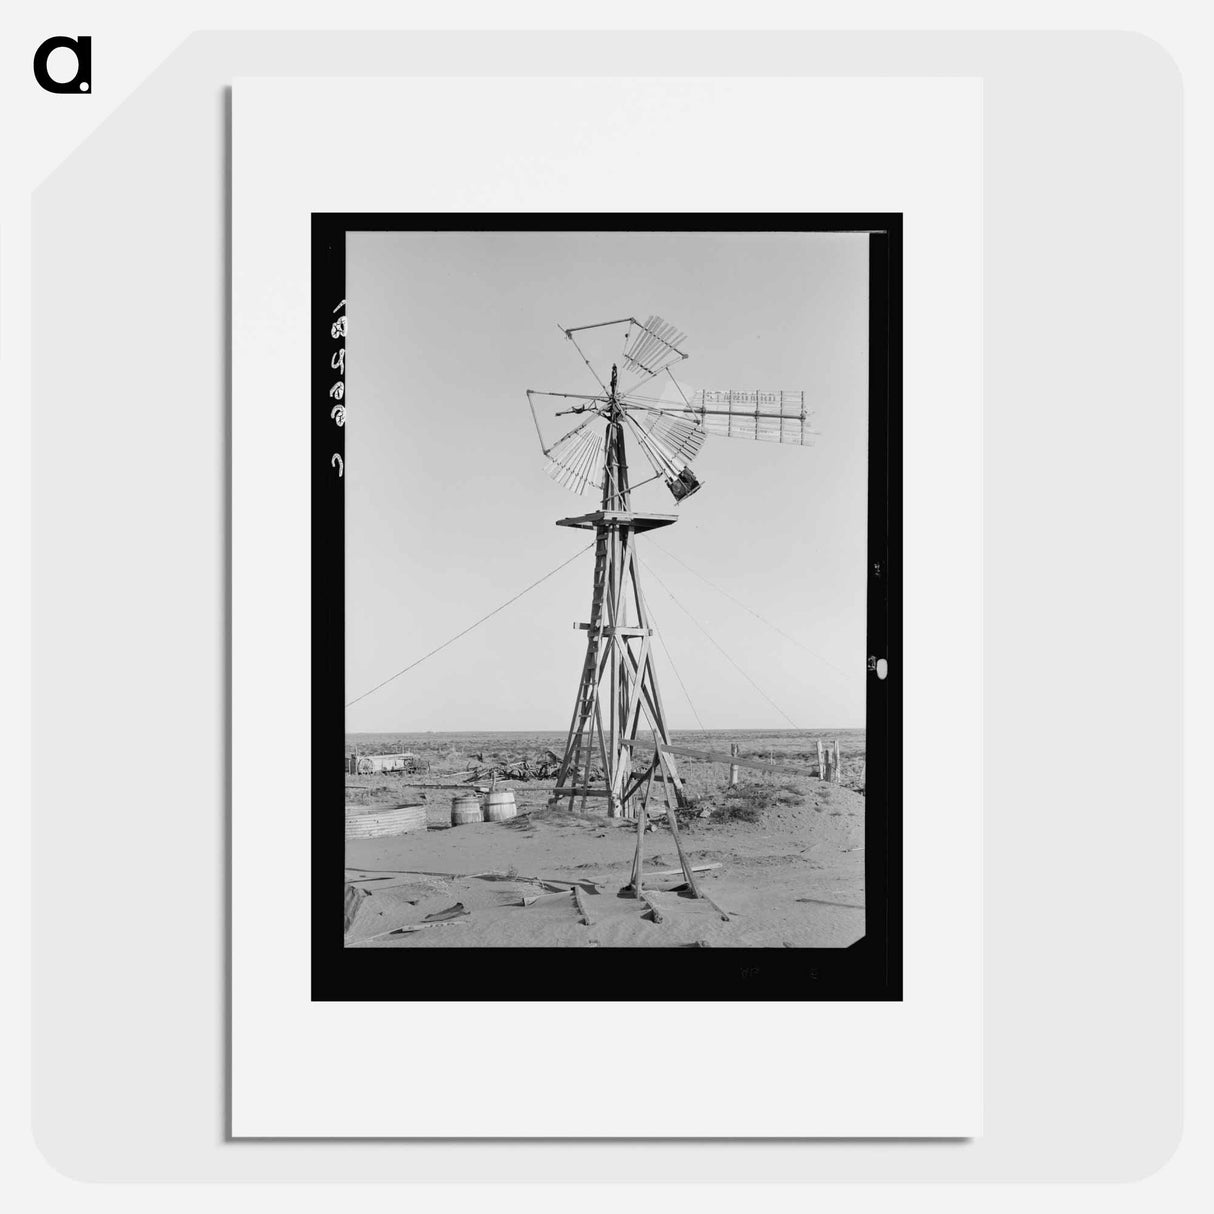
709, 761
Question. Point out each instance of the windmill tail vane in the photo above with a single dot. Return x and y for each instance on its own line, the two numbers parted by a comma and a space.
618, 688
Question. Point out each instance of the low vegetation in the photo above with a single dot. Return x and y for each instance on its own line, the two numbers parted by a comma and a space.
745, 802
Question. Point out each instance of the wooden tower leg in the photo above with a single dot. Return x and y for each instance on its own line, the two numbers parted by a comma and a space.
580, 741
637, 879
651, 696
671, 807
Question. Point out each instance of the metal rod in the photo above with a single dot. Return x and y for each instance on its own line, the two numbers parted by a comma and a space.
697, 411
601, 325
643, 380
651, 451
662, 464
535, 418
569, 335
567, 395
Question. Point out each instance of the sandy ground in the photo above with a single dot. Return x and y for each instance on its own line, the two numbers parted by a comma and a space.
794, 878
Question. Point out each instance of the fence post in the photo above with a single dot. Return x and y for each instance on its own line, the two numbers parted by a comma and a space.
821, 762
733, 767
836, 764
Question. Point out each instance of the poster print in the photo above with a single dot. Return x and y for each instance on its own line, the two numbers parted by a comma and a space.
709, 760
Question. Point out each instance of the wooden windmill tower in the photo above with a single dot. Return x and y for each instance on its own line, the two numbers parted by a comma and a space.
618, 688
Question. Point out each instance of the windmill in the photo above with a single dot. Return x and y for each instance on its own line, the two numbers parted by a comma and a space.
618, 685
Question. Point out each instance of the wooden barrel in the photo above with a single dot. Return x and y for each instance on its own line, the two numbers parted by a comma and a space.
466, 808
499, 805
363, 823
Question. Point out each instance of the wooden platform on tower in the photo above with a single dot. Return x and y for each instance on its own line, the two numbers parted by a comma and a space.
618, 518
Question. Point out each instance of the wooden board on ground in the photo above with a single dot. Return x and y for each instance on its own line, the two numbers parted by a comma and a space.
678, 872
674, 908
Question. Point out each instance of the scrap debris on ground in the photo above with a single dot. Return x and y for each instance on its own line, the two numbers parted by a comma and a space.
780, 864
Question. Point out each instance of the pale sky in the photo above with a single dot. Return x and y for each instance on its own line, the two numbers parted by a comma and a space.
449, 512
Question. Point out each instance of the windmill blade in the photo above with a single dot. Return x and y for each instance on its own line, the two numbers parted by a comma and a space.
658, 347
653, 346
588, 402
678, 438
575, 460
669, 444
768, 417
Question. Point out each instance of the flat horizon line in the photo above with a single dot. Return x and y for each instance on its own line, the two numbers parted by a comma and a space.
565, 730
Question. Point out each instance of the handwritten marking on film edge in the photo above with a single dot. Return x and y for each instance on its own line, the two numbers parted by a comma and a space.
338, 390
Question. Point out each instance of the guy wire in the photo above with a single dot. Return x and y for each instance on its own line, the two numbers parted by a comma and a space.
470, 627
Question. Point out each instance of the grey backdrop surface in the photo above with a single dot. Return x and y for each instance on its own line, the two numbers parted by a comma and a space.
1082, 615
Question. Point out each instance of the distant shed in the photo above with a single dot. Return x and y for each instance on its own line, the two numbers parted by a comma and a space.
366, 765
